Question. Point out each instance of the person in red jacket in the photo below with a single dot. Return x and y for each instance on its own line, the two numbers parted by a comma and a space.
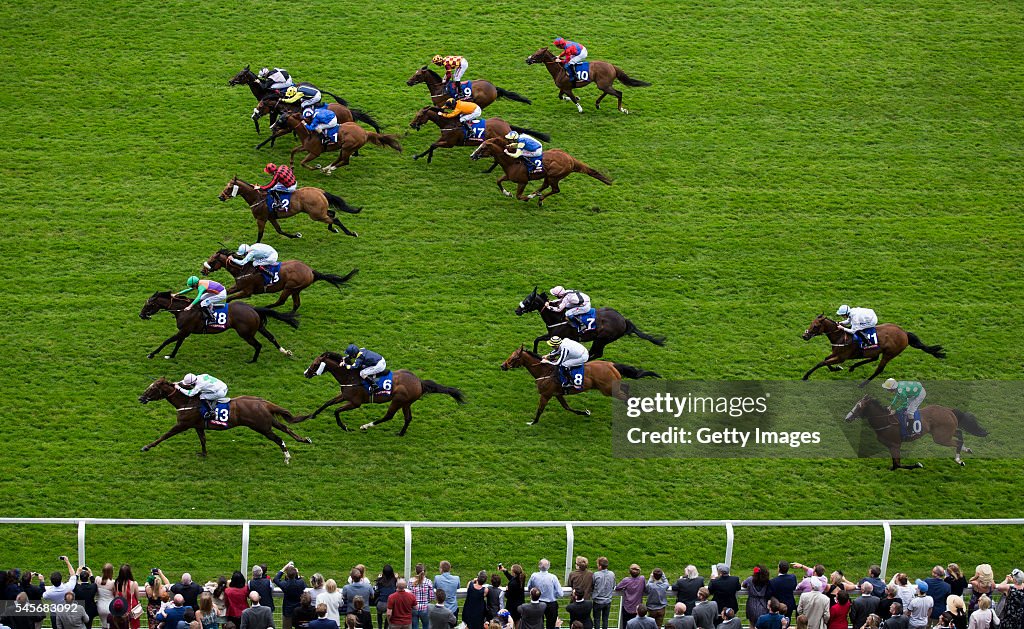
279, 190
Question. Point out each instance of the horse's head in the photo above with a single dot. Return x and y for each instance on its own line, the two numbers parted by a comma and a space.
419, 76
490, 147
515, 360
231, 190
242, 78
541, 56
820, 325
858, 409
160, 389
421, 118
216, 262
160, 300
532, 302
321, 362
266, 106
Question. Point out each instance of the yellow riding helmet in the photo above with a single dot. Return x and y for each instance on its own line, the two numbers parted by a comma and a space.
437, 59
555, 341
292, 91
448, 104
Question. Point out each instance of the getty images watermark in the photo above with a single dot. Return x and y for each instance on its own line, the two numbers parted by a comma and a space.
39, 608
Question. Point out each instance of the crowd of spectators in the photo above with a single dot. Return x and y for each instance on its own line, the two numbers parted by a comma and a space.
509, 599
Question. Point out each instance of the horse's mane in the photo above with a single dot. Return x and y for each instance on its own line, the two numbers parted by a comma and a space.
161, 293
335, 356
535, 355
434, 74
224, 252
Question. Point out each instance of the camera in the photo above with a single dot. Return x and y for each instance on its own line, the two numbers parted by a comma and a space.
156, 571
62, 558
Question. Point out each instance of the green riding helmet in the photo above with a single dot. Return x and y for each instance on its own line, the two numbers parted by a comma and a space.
192, 281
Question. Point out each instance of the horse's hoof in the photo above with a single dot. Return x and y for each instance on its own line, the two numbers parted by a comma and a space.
365, 427
308, 440
287, 458
586, 412
145, 448
150, 356
168, 357
286, 352
624, 110
919, 465
201, 455
298, 234
532, 196
579, 108
504, 192
400, 433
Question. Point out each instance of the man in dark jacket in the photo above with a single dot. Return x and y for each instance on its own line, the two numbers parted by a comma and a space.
189, 590
292, 586
261, 583
532, 613
443, 618
864, 605
783, 587
724, 588
938, 589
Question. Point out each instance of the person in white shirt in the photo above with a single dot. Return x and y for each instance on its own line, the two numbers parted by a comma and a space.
333, 598
573, 302
58, 587
209, 389
857, 320
566, 355
259, 254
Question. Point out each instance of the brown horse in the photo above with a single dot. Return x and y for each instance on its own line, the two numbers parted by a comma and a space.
243, 318
293, 277
602, 375
557, 166
247, 77
484, 92
892, 340
602, 73
452, 133
942, 423
351, 138
274, 105
406, 389
315, 202
251, 412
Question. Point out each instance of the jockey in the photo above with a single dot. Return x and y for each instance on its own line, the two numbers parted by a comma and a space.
275, 79
572, 53
209, 294
367, 362
572, 302
279, 190
325, 122
858, 320
307, 96
907, 397
566, 355
454, 67
209, 389
259, 254
525, 146
466, 110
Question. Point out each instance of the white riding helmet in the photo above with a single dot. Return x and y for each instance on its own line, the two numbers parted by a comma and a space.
889, 385
190, 380
264, 73
558, 291
243, 249
512, 135
843, 310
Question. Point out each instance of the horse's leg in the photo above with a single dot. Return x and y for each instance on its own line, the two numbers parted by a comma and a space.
202, 440
881, 365
536, 341
597, 349
251, 340
270, 337
492, 167
175, 429
501, 187
894, 451
277, 227
831, 360
520, 187
276, 423
568, 95
554, 190
260, 225
540, 409
177, 346
862, 362
336, 222
270, 434
347, 406
543, 186
565, 405
392, 409
331, 402
407, 412
177, 337
295, 300
280, 300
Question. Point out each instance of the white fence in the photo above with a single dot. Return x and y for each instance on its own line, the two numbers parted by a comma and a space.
569, 527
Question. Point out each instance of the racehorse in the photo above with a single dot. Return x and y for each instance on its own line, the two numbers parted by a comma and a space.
251, 412
452, 133
247, 77
892, 340
351, 138
273, 105
943, 423
241, 317
602, 73
557, 166
602, 375
610, 325
406, 389
484, 92
313, 201
293, 277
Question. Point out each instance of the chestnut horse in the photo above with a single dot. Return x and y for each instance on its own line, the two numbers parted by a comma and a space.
273, 105
251, 412
351, 138
243, 318
406, 389
557, 166
315, 202
892, 340
602, 375
484, 92
452, 134
293, 277
944, 425
602, 73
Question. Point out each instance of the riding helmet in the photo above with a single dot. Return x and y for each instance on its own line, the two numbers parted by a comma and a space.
352, 349
512, 135
558, 291
292, 91
243, 249
270, 168
437, 59
843, 310
555, 341
559, 41
192, 281
889, 385
189, 380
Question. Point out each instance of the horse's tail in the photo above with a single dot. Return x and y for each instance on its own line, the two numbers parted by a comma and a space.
290, 318
632, 329
580, 167
969, 423
362, 116
332, 279
540, 135
338, 202
281, 412
628, 371
519, 98
429, 386
628, 81
341, 101
934, 350
382, 140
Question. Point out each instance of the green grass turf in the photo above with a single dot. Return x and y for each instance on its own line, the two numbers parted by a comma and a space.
790, 157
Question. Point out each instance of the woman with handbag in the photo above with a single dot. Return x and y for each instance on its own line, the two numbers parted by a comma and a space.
1013, 596
983, 617
126, 587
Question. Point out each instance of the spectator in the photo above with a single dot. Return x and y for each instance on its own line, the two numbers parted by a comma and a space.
119, 615
189, 591
657, 596
441, 616
724, 587
684, 620
156, 593
839, 611
759, 589
920, 608
363, 618
515, 591
904, 590
873, 621
495, 598
58, 587
581, 609
957, 610
216, 591
362, 575
358, 586
423, 589
582, 578
783, 587
316, 587
104, 593
814, 580
771, 619
874, 578
385, 585
945, 620
837, 582
550, 591
896, 618
33, 592
126, 587
306, 613
236, 595
983, 617
292, 586
72, 616
532, 613
814, 606
686, 587
333, 599
632, 588
604, 587
938, 589
9, 585
641, 620
87, 591
207, 614
24, 621
956, 580
1012, 588
258, 616
321, 621
261, 584
705, 612
400, 606
864, 605
351, 621
729, 619
449, 584
983, 582
191, 619
173, 613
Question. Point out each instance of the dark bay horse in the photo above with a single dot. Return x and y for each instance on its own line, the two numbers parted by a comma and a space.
602, 375
557, 166
892, 340
944, 425
452, 134
273, 104
247, 77
315, 202
610, 325
602, 74
351, 138
484, 92
406, 389
242, 318
293, 277
251, 412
